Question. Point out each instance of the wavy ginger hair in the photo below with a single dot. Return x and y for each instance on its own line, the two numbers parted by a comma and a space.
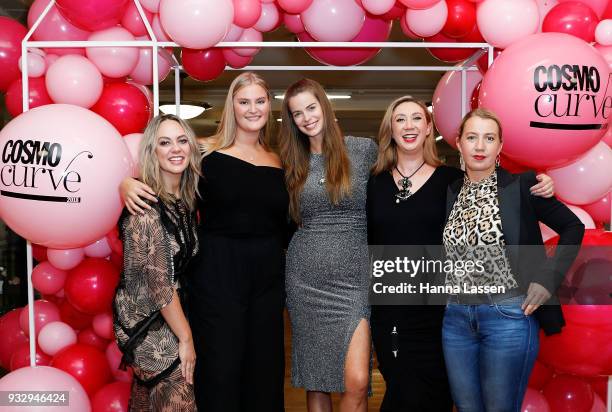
295, 149
387, 148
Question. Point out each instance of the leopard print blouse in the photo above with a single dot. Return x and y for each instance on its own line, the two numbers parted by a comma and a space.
474, 232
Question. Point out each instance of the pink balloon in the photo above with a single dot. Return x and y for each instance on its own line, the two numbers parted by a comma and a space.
234, 33
103, 325
55, 336
503, 22
594, 167
132, 141
246, 12
378, 7
93, 14
47, 279
113, 355
409, 33
375, 29
333, 20
538, 130
143, 72
598, 6
534, 401
294, 6
584, 217
99, 248
269, 18
45, 378
44, 312
419, 4
55, 27
73, 79
447, 102
600, 210
184, 21
113, 397
249, 35
158, 30
150, 5
132, 21
36, 64
606, 53
427, 22
65, 259
84, 163
598, 405
547, 233
603, 32
12, 336
113, 61
235, 60
293, 23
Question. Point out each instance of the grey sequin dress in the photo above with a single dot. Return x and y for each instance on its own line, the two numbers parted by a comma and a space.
327, 274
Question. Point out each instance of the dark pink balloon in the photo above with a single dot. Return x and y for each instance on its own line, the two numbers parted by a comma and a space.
566, 393
246, 12
132, 21
573, 18
375, 29
12, 336
11, 34
44, 312
203, 65
89, 337
37, 91
21, 357
235, 60
113, 397
92, 15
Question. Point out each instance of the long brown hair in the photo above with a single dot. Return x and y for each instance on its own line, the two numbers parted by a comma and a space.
150, 171
295, 149
387, 148
226, 131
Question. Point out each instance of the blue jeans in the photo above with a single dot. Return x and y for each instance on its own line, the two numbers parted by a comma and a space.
489, 350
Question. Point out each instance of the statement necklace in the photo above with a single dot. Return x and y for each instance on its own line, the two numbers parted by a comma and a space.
406, 184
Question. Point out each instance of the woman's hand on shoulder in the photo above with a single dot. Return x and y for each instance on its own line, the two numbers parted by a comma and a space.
133, 192
546, 187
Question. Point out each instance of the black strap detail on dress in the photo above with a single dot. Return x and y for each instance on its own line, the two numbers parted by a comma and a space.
149, 383
136, 334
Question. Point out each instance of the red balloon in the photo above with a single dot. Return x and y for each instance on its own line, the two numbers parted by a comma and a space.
90, 287
483, 62
12, 335
578, 350
21, 357
600, 386
113, 397
86, 364
375, 29
203, 65
124, 106
454, 55
71, 316
596, 316
39, 252
92, 15
89, 337
397, 12
11, 35
461, 18
540, 375
512, 166
568, 394
474, 102
573, 18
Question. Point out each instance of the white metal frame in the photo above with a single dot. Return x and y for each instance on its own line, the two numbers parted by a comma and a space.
468, 65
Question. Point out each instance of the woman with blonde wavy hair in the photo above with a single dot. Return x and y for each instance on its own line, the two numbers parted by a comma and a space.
407, 206
236, 289
327, 265
150, 326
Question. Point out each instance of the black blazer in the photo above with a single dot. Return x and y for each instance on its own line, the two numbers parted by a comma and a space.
520, 212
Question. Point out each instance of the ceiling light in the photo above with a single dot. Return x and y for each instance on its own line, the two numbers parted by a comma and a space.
329, 96
187, 110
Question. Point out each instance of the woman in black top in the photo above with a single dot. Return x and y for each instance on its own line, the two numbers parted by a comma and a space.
236, 286
407, 206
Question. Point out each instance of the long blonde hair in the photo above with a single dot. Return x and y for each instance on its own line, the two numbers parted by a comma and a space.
295, 149
225, 135
387, 148
150, 171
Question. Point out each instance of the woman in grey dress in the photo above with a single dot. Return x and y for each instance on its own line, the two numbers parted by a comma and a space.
327, 262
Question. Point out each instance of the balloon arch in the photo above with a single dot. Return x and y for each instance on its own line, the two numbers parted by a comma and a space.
559, 364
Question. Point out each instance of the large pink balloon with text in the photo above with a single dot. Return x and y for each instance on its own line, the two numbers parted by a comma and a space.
552, 93
60, 167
